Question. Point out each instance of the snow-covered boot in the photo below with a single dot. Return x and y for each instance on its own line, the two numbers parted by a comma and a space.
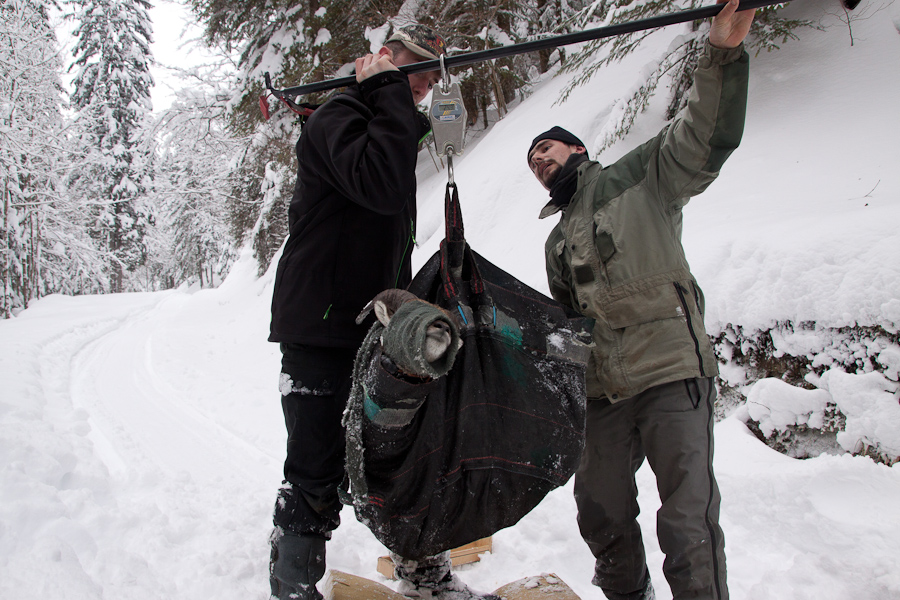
431, 579
646, 593
296, 563
649, 593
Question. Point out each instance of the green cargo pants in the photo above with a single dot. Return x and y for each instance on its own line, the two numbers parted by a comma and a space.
670, 425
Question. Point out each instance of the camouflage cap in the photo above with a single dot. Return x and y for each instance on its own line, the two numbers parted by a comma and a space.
421, 40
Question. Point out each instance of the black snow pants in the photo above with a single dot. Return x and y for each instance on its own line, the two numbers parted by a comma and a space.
315, 385
670, 425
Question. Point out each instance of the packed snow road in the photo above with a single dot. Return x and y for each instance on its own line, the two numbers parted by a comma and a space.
145, 409
127, 475
141, 436
142, 443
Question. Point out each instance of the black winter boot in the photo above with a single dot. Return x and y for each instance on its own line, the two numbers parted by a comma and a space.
296, 563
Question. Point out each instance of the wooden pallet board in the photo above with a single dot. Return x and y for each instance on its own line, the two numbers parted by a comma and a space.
344, 586
543, 587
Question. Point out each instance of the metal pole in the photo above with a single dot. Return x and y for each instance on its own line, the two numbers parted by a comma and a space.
469, 58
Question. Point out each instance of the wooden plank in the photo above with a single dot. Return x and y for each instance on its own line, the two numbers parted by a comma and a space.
470, 552
344, 586
543, 587
386, 567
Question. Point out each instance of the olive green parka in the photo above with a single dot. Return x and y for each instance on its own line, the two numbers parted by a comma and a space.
616, 255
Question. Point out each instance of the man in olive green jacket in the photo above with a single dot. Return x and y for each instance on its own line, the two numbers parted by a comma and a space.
616, 256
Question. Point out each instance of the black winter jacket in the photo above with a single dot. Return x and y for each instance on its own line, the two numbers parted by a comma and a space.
353, 213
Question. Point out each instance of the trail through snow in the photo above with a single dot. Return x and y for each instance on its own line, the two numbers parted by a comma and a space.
142, 450
141, 438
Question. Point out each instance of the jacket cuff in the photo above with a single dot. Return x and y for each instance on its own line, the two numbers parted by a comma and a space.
722, 56
379, 80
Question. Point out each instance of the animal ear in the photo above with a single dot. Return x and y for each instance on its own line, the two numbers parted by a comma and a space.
382, 312
385, 305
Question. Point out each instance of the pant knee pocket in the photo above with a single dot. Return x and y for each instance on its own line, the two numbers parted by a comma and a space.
693, 392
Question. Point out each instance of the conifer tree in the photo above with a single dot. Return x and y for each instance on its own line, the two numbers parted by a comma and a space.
300, 42
675, 66
31, 148
295, 42
112, 97
309, 41
194, 168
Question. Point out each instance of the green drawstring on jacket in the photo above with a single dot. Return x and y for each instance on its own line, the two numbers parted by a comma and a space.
412, 237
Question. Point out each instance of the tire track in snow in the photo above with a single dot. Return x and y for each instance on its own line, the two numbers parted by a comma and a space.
146, 486
139, 419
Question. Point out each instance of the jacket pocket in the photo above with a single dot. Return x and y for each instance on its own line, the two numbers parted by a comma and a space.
698, 297
603, 237
606, 246
558, 271
392, 400
653, 304
691, 325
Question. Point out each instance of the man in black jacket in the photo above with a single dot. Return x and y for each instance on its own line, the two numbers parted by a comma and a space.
352, 228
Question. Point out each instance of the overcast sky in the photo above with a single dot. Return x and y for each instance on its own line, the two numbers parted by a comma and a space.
175, 45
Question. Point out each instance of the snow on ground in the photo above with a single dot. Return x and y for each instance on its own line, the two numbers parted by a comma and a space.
141, 435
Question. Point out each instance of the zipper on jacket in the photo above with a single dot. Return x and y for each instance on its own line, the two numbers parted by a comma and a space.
687, 315
412, 238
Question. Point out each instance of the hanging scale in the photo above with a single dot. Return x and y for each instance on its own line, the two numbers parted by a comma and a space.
448, 119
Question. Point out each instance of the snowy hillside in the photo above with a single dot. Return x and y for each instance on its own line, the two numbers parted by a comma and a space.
141, 435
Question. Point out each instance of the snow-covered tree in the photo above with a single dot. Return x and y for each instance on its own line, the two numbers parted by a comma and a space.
295, 42
195, 160
35, 229
300, 42
112, 97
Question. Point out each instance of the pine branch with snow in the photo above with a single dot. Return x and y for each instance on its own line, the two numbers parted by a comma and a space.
112, 97
673, 69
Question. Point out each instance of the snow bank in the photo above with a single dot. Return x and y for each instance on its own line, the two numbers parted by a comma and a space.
141, 435
867, 402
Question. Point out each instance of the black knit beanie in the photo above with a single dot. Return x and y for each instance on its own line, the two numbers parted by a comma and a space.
556, 133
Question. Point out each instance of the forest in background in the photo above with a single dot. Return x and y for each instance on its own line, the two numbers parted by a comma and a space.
100, 194
103, 195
